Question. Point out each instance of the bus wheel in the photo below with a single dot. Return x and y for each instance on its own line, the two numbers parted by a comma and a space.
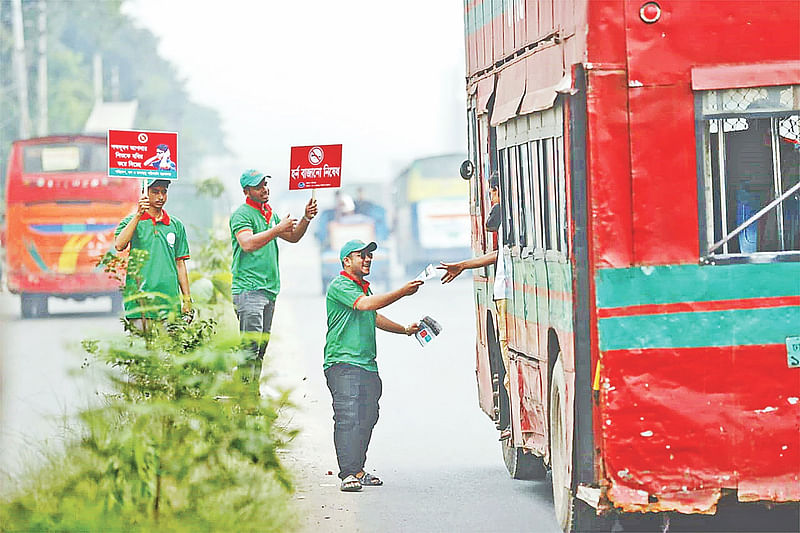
559, 454
572, 514
33, 305
116, 303
522, 465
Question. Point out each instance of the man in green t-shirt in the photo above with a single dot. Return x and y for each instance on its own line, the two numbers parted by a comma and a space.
150, 228
350, 368
256, 277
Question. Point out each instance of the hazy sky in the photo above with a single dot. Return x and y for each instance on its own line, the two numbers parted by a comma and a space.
385, 79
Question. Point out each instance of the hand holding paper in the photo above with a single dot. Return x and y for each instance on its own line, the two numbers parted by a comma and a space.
428, 273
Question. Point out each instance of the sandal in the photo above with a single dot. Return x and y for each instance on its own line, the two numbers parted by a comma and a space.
350, 484
368, 480
505, 434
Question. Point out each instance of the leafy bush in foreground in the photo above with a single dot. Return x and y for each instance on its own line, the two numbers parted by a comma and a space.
179, 444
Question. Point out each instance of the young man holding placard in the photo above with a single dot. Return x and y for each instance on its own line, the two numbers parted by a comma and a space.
256, 277
150, 228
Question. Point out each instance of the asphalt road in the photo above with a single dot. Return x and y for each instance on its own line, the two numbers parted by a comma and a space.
42, 384
436, 451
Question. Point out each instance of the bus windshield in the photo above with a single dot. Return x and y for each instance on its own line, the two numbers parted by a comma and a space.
64, 169
64, 157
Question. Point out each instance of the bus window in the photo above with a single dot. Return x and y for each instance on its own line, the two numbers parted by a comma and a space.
505, 198
561, 199
750, 141
545, 171
75, 157
527, 228
536, 196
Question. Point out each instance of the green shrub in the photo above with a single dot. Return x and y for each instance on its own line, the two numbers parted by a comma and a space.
180, 442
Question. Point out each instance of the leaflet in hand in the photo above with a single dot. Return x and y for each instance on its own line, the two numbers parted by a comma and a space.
428, 330
428, 273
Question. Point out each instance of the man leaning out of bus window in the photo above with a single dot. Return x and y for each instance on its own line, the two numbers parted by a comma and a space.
452, 271
150, 228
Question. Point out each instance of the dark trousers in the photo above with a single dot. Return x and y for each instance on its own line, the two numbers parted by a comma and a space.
355, 394
254, 309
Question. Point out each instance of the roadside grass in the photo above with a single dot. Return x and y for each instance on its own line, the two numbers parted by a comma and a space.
179, 441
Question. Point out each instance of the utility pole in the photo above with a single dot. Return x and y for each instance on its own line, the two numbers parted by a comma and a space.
20, 70
42, 68
98, 78
115, 83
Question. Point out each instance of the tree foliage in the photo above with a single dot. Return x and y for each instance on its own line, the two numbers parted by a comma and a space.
75, 32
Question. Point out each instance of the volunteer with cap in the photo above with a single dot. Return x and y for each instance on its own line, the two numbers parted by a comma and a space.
256, 278
350, 368
164, 273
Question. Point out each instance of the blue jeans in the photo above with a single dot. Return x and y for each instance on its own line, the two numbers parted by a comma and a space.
254, 309
355, 393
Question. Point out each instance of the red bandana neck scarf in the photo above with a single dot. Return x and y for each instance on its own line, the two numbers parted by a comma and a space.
164, 217
364, 284
264, 209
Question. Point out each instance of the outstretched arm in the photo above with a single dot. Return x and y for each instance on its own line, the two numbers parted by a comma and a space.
454, 269
379, 301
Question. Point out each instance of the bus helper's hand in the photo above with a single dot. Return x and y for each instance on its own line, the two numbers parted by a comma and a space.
452, 270
144, 205
411, 287
287, 224
413, 328
311, 209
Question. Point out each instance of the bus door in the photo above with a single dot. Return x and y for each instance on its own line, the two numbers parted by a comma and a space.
482, 242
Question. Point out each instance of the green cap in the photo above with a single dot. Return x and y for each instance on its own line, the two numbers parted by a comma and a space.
151, 181
251, 178
356, 245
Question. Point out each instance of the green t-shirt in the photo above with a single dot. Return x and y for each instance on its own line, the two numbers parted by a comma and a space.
351, 333
166, 242
256, 270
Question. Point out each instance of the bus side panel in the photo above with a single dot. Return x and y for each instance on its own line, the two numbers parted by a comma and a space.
605, 46
609, 169
696, 393
664, 175
732, 32
51, 248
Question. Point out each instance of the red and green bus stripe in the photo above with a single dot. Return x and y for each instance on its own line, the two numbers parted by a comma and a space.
640, 286
689, 307
697, 329
692, 306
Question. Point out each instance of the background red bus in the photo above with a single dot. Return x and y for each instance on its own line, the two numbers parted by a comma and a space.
61, 213
648, 162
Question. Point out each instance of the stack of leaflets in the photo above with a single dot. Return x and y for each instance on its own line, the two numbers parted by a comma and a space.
428, 330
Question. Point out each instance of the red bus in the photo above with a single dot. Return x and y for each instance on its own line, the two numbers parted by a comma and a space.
61, 212
647, 155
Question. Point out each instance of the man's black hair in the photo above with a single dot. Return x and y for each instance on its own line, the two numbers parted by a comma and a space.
494, 181
160, 183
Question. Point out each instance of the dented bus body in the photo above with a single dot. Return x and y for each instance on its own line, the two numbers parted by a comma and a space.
648, 161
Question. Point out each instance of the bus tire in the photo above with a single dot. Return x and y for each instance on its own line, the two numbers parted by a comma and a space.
27, 306
573, 515
33, 305
522, 465
116, 303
